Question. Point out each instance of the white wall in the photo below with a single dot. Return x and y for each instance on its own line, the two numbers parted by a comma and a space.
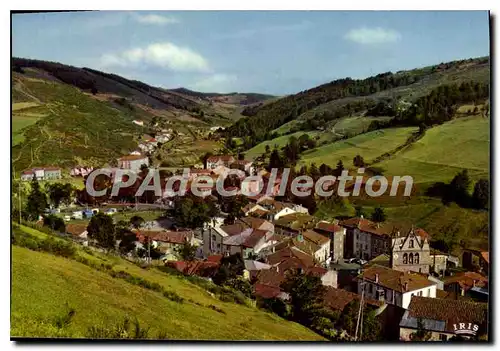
394, 297
426, 292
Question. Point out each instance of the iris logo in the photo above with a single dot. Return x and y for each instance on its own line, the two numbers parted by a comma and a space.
465, 328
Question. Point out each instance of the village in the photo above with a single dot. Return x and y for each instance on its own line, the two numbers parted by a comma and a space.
414, 291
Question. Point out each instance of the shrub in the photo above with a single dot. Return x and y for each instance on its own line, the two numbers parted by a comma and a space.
173, 296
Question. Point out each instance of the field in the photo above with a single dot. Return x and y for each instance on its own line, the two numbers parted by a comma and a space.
369, 146
283, 140
44, 287
445, 150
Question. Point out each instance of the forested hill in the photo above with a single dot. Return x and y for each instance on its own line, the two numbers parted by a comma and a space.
231, 98
347, 96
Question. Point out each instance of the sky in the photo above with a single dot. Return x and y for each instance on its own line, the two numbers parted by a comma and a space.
273, 52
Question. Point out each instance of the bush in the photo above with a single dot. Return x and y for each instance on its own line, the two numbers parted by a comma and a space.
173, 296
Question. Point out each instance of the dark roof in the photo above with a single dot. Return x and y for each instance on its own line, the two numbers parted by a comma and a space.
167, 237
132, 158
271, 277
199, 268
253, 222
448, 311
234, 229
395, 280
467, 280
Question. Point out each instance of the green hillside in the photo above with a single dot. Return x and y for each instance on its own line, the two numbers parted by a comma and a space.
369, 145
45, 287
462, 143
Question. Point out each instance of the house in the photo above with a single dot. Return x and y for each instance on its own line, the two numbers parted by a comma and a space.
78, 232
444, 319
469, 284
411, 252
196, 172
166, 241
41, 173
292, 224
248, 243
80, 171
221, 160
205, 269
244, 165
133, 162
321, 243
255, 210
476, 260
337, 235
366, 239
394, 287
338, 299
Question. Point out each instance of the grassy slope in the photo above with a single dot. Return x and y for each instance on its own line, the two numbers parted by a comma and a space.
369, 145
42, 285
445, 150
283, 140
77, 126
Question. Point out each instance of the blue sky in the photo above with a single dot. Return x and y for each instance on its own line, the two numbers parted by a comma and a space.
253, 51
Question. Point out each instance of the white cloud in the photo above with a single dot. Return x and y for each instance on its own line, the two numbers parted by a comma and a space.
376, 35
155, 19
219, 83
164, 55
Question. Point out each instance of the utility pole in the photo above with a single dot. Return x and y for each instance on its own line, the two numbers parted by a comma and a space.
19, 196
360, 313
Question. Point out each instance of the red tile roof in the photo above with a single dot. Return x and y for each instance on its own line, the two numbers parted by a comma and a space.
266, 291
338, 299
224, 158
199, 268
486, 256
329, 227
76, 229
254, 238
303, 259
167, 237
132, 158
214, 258
395, 280
368, 226
449, 311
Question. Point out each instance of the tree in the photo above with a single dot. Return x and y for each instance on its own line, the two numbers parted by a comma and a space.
233, 205
137, 221
358, 161
186, 251
325, 170
359, 211
204, 158
230, 268
338, 170
241, 156
55, 223
193, 212
459, 188
37, 201
421, 334
59, 193
102, 230
481, 194
378, 214
306, 292
275, 160
268, 149
314, 172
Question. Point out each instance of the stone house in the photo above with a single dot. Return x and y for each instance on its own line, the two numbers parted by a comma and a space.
411, 252
337, 236
133, 162
394, 287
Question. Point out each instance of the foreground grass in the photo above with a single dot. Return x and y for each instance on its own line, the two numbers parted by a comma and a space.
44, 287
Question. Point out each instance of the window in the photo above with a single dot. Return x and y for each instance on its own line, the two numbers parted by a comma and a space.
429, 292
443, 337
410, 261
411, 244
417, 258
419, 293
405, 258
370, 288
